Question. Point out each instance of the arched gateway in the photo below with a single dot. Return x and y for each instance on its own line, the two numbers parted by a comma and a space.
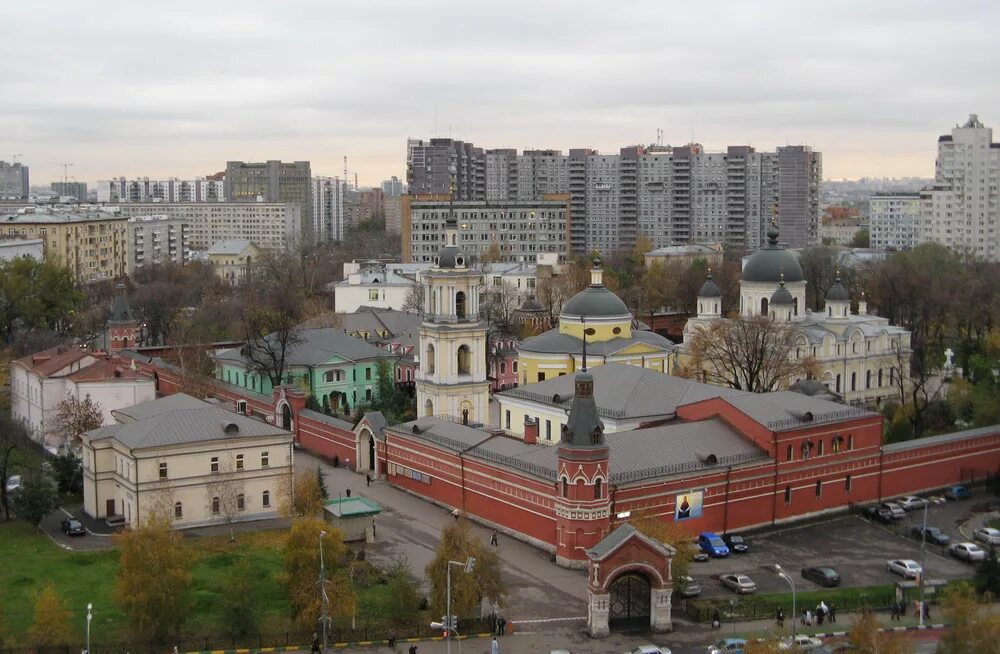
629, 583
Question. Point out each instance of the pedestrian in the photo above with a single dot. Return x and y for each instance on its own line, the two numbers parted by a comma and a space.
926, 609
412, 650
895, 611
336, 461
809, 618
348, 493
315, 643
392, 637
780, 618
832, 614
820, 613
493, 539
368, 480
502, 626
494, 646
373, 528
716, 620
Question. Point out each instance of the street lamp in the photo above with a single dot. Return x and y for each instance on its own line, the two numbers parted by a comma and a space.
324, 618
923, 564
90, 616
784, 575
468, 565
449, 629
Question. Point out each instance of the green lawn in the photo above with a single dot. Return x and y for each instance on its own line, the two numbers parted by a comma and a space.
30, 559
765, 605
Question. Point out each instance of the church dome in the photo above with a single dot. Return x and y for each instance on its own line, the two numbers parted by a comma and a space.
709, 288
451, 257
771, 262
595, 300
532, 304
782, 297
837, 293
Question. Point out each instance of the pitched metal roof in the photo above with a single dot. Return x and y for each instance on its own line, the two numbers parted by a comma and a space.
786, 410
48, 362
942, 438
187, 426
552, 342
159, 406
229, 246
317, 346
620, 536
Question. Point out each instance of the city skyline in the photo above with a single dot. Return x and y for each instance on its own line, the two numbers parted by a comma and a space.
190, 87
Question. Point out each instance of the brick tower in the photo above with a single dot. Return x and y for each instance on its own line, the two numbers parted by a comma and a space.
123, 330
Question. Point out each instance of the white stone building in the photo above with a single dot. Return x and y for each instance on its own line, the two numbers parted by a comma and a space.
144, 189
199, 463
894, 220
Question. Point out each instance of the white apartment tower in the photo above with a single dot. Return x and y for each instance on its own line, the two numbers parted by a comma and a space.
962, 209
328, 208
894, 221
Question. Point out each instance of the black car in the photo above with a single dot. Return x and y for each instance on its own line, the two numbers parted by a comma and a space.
72, 527
822, 575
736, 543
879, 514
933, 535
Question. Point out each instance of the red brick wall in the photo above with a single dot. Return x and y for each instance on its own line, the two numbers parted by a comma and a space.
326, 440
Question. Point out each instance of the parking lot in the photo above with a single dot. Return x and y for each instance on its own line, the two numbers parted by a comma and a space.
856, 547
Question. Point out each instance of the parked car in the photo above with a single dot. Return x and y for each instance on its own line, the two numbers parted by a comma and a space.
73, 527
649, 649
13, 483
988, 535
700, 556
728, 646
737, 583
967, 552
933, 535
904, 567
736, 543
822, 575
911, 502
958, 493
879, 514
711, 544
688, 587
801, 643
896, 510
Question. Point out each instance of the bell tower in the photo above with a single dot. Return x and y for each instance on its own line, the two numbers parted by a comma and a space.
451, 379
583, 499
123, 330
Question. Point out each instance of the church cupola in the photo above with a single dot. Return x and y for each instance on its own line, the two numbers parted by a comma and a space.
709, 298
838, 300
782, 304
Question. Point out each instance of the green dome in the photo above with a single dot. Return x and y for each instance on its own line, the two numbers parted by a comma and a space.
771, 262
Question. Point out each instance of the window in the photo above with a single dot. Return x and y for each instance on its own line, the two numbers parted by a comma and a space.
880, 378
239, 461
806, 449
838, 383
789, 454
503, 367
163, 471
368, 373
788, 494
241, 502
835, 444
464, 360
541, 376
850, 442
178, 510
215, 464
854, 381
216, 506
373, 294
847, 484
565, 487
266, 498
597, 489
548, 430
241, 406
819, 448
264, 460
513, 366
819, 488
368, 394
507, 418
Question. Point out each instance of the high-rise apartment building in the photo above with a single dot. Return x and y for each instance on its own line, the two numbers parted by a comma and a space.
393, 213
894, 221
120, 190
76, 190
272, 181
440, 165
156, 240
962, 208
93, 245
14, 182
517, 231
394, 187
671, 195
328, 208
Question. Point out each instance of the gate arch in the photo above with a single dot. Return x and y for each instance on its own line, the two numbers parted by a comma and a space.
629, 601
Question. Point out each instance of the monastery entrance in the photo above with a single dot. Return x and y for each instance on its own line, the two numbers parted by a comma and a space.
628, 602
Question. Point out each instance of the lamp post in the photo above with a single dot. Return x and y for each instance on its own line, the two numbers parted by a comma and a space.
468, 565
784, 575
923, 564
324, 618
90, 616
449, 629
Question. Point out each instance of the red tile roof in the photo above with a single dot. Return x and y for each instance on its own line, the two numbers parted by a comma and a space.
107, 370
50, 361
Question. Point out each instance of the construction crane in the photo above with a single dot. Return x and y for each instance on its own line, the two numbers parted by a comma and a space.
66, 167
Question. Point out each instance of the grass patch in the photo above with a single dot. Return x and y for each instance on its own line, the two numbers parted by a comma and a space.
765, 605
31, 559
993, 522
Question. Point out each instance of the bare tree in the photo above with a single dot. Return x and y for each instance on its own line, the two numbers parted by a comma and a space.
227, 494
554, 292
414, 302
75, 417
754, 354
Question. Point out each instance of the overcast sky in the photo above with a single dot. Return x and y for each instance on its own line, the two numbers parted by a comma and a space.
175, 89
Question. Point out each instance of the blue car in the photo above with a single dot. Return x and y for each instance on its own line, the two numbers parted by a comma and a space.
711, 544
728, 646
958, 493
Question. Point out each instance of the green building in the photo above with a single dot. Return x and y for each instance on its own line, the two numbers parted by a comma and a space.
340, 371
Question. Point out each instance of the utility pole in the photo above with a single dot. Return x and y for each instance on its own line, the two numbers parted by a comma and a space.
325, 601
923, 564
14, 158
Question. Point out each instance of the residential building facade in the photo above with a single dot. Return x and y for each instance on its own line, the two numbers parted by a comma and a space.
15, 183
93, 245
274, 226
328, 208
393, 214
121, 189
197, 463
962, 208
156, 240
273, 181
76, 190
393, 188
894, 221
442, 165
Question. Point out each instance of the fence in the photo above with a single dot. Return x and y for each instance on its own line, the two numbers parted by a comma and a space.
753, 608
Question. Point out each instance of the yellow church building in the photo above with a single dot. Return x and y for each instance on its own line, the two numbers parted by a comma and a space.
610, 337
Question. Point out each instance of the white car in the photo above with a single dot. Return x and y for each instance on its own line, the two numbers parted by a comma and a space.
988, 535
649, 649
904, 567
967, 552
801, 643
911, 502
13, 483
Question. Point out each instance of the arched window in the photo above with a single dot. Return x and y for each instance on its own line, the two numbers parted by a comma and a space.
428, 408
460, 305
835, 444
795, 306
565, 487
409, 375
503, 367
763, 306
178, 510
216, 505
597, 489
241, 502
880, 378
464, 360
868, 379
429, 363
399, 374
513, 366
854, 381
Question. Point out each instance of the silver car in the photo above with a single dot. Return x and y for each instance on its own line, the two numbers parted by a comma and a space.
741, 584
904, 567
988, 535
911, 502
967, 552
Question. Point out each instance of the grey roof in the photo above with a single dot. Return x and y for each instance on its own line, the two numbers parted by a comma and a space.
554, 342
447, 433
175, 402
977, 432
787, 410
709, 288
377, 422
622, 534
229, 246
451, 257
187, 426
120, 310
595, 301
837, 292
322, 417
532, 304
772, 263
813, 388
678, 447
317, 346
60, 217
583, 428
782, 296
537, 460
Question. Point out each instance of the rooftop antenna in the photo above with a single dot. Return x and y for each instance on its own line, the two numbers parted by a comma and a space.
14, 158
345, 169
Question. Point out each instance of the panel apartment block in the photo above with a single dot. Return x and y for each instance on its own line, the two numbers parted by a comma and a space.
894, 221
94, 246
143, 189
156, 240
272, 181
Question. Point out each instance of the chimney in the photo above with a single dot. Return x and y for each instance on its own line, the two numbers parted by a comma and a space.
530, 430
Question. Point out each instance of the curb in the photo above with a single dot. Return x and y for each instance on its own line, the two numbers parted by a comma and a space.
841, 634
357, 643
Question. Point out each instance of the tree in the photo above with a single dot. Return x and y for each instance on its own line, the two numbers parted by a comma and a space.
497, 305
302, 496
36, 498
553, 292
321, 482
302, 568
75, 417
458, 543
51, 625
754, 354
988, 574
269, 335
394, 403
226, 491
820, 266
154, 578
866, 637
238, 616
969, 632
403, 597
861, 239
68, 469
36, 295
14, 442
672, 534
414, 302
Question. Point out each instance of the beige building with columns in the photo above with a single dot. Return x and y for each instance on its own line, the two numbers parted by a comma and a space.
199, 463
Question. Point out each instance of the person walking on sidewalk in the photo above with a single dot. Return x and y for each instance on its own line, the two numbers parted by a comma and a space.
832, 613
368, 479
392, 638
315, 644
780, 618
716, 620
493, 539
494, 646
412, 650
895, 611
